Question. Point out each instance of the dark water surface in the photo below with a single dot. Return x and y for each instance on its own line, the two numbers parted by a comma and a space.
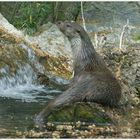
16, 114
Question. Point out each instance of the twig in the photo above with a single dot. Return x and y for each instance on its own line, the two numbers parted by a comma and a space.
122, 33
102, 41
82, 12
96, 40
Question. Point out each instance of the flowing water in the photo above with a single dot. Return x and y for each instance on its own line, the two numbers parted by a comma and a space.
21, 97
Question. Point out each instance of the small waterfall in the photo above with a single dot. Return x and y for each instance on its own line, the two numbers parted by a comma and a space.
23, 84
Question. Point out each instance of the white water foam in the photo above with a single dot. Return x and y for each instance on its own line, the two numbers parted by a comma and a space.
23, 84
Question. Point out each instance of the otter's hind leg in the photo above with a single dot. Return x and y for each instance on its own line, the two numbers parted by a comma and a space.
64, 99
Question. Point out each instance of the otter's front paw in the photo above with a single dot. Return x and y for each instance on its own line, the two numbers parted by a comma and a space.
39, 122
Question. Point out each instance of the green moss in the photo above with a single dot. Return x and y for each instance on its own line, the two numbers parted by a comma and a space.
90, 114
12, 57
79, 112
65, 115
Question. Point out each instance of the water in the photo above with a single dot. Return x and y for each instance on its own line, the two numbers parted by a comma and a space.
21, 97
20, 101
23, 86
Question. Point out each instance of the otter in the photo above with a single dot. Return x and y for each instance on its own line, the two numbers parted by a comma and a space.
92, 80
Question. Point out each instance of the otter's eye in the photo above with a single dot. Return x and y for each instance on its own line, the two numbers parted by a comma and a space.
68, 25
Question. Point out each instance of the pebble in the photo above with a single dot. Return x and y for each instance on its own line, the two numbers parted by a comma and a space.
69, 132
50, 124
125, 134
69, 127
55, 134
78, 124
137, 100
59, 127
90, 127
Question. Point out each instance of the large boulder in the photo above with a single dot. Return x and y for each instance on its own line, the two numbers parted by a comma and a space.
44, 58
47, 49
108, 19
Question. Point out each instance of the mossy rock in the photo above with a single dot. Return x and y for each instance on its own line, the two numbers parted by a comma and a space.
56, 65
80, 112
12, 57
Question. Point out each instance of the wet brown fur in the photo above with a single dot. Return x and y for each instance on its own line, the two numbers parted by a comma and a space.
92, 81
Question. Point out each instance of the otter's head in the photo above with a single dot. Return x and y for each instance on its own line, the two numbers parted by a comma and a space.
70, 29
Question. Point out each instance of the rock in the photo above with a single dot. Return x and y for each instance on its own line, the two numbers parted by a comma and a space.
44, 54
108, 18
9, 32
80, 112
125, 66
52, 42
55, 134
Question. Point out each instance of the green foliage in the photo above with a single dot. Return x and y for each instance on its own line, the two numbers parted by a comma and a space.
30, 15
137, 37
